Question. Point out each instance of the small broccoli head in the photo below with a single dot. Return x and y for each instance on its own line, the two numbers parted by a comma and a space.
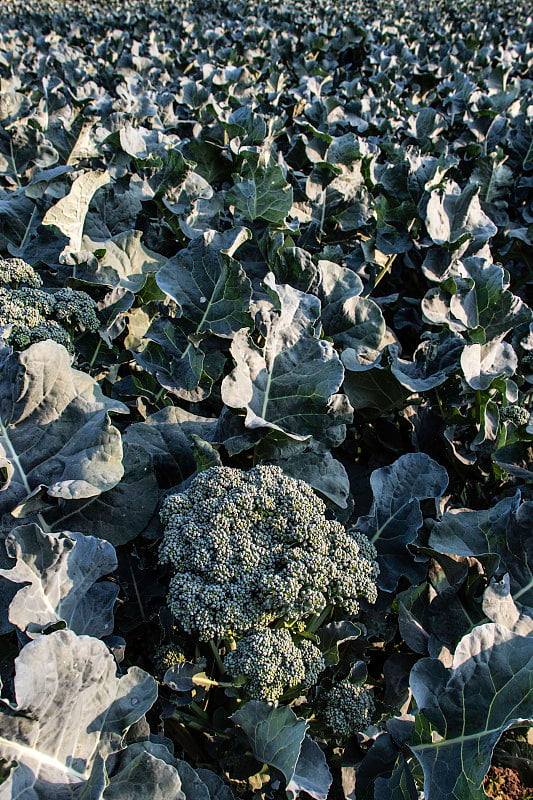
25, 311
347, 708
14, 272
272, 662
75, 309
22, 336
33, 315
166, 656
515, 414
252, 547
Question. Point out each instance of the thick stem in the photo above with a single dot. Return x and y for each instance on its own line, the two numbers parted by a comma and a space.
317, 620
216, 653
95, 354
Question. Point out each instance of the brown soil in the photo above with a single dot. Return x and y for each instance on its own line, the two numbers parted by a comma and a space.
504, 784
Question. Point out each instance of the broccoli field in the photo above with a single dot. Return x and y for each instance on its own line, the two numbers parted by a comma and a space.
266, 370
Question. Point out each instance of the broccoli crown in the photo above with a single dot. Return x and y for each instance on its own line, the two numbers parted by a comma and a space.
15, 271
23, 335
516, 414
252, 547
34, 314
166, 656
271, 662
75, 308
347, 708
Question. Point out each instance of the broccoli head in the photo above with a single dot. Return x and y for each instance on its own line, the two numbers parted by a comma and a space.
15, 271
271, 662
347, 708
75, 309
23, 335
252, 547
166, 656
33, 314
515, 414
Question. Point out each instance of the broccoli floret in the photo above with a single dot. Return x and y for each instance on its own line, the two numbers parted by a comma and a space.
33, 314
24, 306
271, 662
76, 309
23, 335
347, 708
253, 547
166, 656
516, 414
15, 271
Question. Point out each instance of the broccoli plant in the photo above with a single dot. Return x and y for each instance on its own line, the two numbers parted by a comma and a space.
31, 314
251, 548
257, 567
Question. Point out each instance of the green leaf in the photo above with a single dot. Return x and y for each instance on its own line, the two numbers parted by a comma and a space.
275, 735
399, 786
395, 516
354, 322
141, 770
121, 513
125, 262
55, 429
65, 715
210, 288
464, 710
375, 388
483, 363
61, 573
312, 774
498, 536
452, 214
180, 366
289, 383
69, 213
321, 471
262, 192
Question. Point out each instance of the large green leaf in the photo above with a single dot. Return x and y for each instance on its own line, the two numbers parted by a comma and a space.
141, 770
452, 215
463, 711
321, 471
395, 516
121, 261
119, 514
263, 191
61, 573
278, 738
168, 437
476, 298
498, 536
354, 322
210, 288
54, 428
433, 360
289, 382
70, 708
68, 214
483, 363
275, 734
180, 366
